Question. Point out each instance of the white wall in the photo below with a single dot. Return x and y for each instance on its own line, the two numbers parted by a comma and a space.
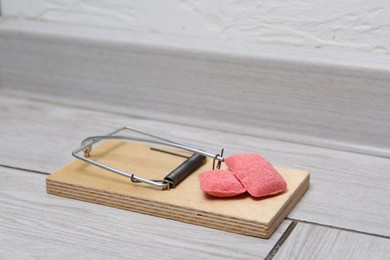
347, 25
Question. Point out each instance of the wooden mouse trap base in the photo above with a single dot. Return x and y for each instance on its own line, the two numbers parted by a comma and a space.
187, 202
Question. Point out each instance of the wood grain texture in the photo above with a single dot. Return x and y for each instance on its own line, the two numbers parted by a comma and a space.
186, 202
348, 190
35, 224
303, 97
315, 242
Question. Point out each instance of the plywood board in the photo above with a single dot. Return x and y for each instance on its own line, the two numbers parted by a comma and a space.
187, 202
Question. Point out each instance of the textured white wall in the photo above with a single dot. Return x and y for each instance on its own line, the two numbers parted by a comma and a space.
348, 25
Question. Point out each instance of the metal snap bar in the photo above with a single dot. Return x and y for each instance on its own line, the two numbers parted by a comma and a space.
171, 180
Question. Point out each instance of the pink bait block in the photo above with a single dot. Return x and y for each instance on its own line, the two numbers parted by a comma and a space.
220, 183
257, 175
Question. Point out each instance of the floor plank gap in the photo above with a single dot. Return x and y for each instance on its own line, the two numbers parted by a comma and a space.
281, 240
339, 228
23, 169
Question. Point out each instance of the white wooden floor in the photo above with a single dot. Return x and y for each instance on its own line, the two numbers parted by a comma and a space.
345, 214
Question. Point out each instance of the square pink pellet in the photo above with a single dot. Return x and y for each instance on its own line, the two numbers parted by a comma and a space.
220, 183
256, 174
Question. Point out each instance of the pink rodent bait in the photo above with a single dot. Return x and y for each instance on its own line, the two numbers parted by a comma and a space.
220, 183
256, 174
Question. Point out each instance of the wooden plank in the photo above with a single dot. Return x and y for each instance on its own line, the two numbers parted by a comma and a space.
347, 190
35, 224
186, 202
316, 242
296, 95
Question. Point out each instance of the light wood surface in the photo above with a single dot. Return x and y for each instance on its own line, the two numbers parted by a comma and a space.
35, 224
326, 114
186, 202
317, 242
297, 95
344, 189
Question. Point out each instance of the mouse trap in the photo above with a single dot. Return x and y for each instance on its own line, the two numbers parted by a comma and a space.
148, 174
